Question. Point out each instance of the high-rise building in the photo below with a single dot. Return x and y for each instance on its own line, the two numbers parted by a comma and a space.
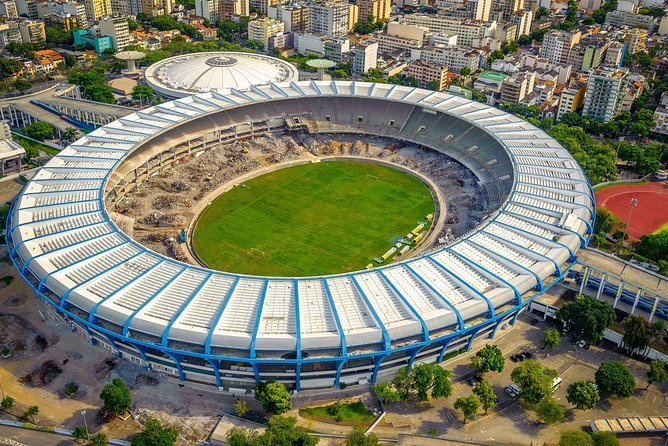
557, 45
208, 9
523, 21
229, 8
9, 33
153, 8
571, 98
635, 40
365, 57
32, 31
336, 48
453, 57
615, 54
516, 87
330, 19
479, 9
96, 9
27, 8
116, 27
466, 31
630, 19
590, 5
378, 9
295, 17
260, 30
606, 89
8, 9
428, 74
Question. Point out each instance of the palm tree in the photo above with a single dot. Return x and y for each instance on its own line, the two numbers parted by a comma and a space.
69, 134
639, 334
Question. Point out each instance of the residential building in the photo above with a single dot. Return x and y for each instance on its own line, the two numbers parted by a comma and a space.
480, 9
506, 33
388, 44
9, 33
260, 30
116, 27
606, 89
353, 16
208, 9
32, 31
264, 5
455, 58
428, 74
11, 154
122, 7
590, 5
26, 8
378, 9
330, 19
489, 83
230, 8
572, 98
635, 40
466, 31
69, 14
295, 17
412, 32
309, 43
589, 53
615, 54
515, 88
336, 48
663, 26
83, 37
445, 39
660, 121
365, 57
523, 21
557, 45
96, 9
280, 41
630, 19
8, 9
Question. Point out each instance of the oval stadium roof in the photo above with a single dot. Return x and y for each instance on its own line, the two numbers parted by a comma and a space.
195, 73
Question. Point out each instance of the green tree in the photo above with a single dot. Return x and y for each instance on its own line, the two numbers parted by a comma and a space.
358, 438
273, 396
8, 403
653, 246
582, 395
155, 434
604, 439
485, 393
31, 412
613, 377
282, 431
525, 40
552, 338
238, 436
535, 380
639, 333
69, 134
587, 317
466, 71
39, 130
607, 222
468, 405
549, 411
116, 397
431, 380
142, 93
488, 359
387, 393
575, 438
241, 407
22, 85
656, 373
79, 433
9, 67
100, 439
71, 388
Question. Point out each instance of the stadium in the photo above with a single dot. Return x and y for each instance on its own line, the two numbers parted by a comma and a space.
233, 330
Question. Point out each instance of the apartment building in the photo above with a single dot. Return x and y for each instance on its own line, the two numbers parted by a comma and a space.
116, 27
571, 98
466, 31
615, 54
330, 19
606, 88
32, 31
378, 9
295, 17
96, 9
260, 30
8, 9
335, 49
454, 58
428, 74
557, 45
516, 87
636, 40
9, 33
630, 19
365, 57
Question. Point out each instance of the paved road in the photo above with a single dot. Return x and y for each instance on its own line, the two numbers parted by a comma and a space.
11, 436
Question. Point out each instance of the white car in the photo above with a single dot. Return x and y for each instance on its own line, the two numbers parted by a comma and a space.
513, 390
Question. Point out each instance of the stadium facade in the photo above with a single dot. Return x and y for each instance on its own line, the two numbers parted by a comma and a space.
230, 330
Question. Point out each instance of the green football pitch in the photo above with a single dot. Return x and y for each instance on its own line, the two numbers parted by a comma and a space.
318, 218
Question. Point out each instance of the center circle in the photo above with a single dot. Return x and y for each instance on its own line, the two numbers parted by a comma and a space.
312, 219
222, 61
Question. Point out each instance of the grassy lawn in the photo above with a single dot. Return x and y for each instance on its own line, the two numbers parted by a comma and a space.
621, 183
312, 219
349, 414
27, 144
663, 227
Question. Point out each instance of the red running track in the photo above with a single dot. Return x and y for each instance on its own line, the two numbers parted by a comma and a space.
648, 216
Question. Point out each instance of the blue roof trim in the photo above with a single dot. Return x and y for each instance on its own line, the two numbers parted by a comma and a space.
93, 311
56, 192
37, 237
128, 321
539, 281
387, 341
65, 203
171, 111
518, 296
240, 93
298, 329
219, 314
165, 334
294, 86
558, 228
139, 123
315, 87
78, 242
337, 320
151, 116
91, 148
258, 318
279, 89
86, 158
490, 306
449, 304
570, 203
425, 329
515, 228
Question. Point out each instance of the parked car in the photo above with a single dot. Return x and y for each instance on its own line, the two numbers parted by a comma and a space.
472, 381
517, 357
584, 344
526, 355
513, 390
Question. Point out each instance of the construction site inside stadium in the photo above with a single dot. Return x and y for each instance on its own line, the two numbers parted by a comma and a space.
516, 209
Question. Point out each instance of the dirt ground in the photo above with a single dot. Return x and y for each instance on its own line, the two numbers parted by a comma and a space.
163, 205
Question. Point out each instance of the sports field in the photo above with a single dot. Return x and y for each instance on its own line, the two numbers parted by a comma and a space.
651, 212
312, 219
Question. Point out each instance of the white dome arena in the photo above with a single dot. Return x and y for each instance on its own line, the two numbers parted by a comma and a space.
221, 72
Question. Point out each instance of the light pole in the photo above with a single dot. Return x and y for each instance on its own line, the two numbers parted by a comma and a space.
634, 203
83, 412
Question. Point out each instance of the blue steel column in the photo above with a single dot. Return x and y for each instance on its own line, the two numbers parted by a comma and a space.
258, 320
342, 336
298, 335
